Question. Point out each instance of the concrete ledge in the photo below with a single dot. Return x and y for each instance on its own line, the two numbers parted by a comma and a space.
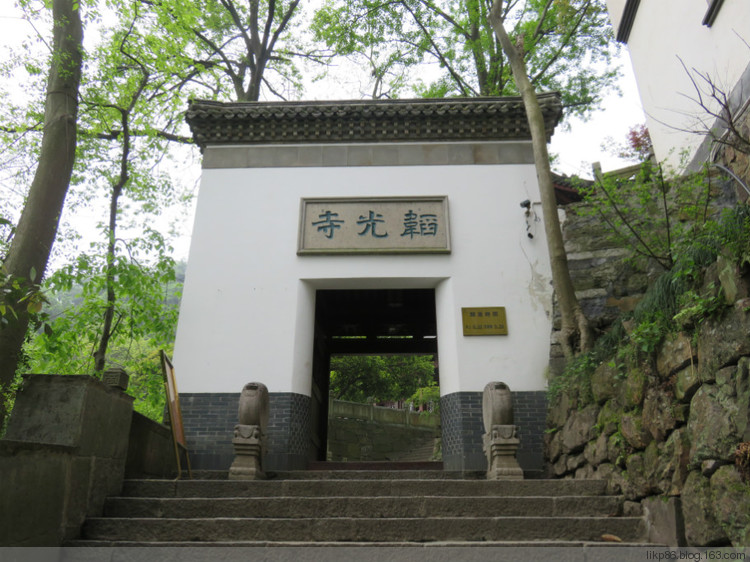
664, 521
65, 453
150, 450
380, 414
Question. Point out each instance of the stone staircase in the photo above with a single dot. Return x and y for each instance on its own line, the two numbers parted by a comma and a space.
421, 452
340, 508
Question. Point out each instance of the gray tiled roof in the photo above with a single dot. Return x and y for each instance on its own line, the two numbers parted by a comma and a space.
417, 120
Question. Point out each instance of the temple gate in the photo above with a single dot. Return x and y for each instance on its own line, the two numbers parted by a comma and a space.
414, 225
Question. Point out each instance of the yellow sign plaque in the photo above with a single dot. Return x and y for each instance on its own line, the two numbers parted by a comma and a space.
484, 321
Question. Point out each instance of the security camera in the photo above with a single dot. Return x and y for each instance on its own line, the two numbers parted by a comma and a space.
526, 204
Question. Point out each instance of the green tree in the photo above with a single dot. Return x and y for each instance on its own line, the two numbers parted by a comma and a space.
575, 330
231, 49
138, 78
126, 75
379, 378
29, 250
653, 212
567, 45
144, 318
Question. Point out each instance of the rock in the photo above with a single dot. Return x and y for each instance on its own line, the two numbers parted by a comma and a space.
616, 449
608, 418
658, 418
633, 431
579, 429
701, 526
574, 461
725, 380
677, 447
712, 426
559, 410
661, 463
595, 452
605, 382
664, 522
654, 467
631, 509
707, 376
624, 304
686, 383
603, 471
742, 388
561, 466
638, 484
681, 413
554, 446
734, 285
709, 467
584, 473
616, 483
675, 353
715, 349
635, 388
731, 504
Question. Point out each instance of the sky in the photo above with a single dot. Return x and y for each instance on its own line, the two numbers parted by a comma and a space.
576, 146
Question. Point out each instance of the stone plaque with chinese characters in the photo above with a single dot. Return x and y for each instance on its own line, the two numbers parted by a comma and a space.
484, 321
390, 225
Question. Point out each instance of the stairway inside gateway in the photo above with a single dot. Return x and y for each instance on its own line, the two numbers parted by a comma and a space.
375, 368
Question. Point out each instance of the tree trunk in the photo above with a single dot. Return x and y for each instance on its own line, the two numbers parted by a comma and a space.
30, 248
576, 331
100, 355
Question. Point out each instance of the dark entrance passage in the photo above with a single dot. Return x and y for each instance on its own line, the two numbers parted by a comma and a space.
380, 322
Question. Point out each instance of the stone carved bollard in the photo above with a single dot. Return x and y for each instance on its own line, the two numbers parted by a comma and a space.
250, 433
501, 435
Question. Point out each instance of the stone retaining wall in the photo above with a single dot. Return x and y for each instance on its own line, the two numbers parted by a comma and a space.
366, 432
670, 427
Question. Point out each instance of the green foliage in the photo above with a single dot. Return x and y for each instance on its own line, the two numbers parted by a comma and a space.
427, 397
567, 46
146, 316
677, 299
8, 399
653, 213
380, 378
575, 379
229, 49
731, 234
647, 335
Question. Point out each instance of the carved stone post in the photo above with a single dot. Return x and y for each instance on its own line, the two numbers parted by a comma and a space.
501, 436
250, 433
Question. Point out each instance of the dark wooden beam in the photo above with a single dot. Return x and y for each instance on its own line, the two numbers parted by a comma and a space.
383, 346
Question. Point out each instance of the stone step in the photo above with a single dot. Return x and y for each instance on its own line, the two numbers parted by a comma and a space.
421, 452
362, 507
377, 474
364, 487
376, 466
364, 529
522, 550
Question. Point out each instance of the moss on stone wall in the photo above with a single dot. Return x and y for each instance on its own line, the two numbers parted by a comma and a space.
663, 413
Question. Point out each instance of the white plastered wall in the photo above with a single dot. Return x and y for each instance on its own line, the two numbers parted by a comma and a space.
668, 33
247, 312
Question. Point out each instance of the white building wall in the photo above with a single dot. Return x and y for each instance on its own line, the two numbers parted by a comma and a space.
667, 34
248, 307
